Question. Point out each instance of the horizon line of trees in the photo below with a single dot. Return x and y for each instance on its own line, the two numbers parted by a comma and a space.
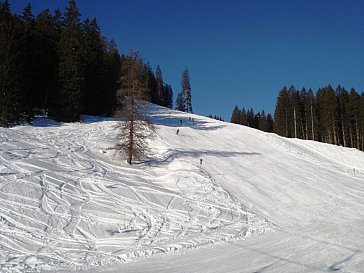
259, 120
329, 116
58, 63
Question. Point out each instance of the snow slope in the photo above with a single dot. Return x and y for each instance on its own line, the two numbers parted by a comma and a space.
68, 202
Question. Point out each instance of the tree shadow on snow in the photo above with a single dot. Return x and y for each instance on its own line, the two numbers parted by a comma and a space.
176, 154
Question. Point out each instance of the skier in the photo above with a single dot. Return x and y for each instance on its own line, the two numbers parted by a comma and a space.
200, 162
177, 132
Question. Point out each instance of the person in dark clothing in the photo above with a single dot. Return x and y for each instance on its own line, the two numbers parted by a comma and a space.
177, 132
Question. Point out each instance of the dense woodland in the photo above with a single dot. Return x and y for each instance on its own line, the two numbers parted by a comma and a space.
260, 120
330, 116
55, 62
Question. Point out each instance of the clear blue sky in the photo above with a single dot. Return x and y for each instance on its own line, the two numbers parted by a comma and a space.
239, 52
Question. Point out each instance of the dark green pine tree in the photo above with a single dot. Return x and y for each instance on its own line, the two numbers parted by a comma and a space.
47, 32
111, 75
354, 118
243, 117
235, 116
327, 105
160, 99
250, 117
168, 95
281, 115
13, 100
180, 102
186, 90
93, 54
310, 116
152, 83
71, 68
263, 122
343, 116
31, 63
270, 123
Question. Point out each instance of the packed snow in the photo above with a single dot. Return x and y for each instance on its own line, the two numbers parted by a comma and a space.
256, 202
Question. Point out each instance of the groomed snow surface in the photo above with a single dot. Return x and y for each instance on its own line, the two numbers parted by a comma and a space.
258, 202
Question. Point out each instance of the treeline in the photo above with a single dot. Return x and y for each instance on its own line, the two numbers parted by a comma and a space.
216, 117
53, 61
330, 116
260, 120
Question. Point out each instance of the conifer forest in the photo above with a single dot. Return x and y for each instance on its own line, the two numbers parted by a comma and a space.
58, 64
334, 116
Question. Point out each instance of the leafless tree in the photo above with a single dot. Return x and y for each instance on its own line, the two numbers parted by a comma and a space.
135, 128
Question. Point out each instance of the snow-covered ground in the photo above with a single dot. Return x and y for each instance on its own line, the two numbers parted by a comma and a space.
258, 202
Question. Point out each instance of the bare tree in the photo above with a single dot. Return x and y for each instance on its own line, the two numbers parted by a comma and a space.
135, 128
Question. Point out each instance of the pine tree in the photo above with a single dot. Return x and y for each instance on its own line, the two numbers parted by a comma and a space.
281, 114
71, 68
180, 102
151, 84
13, 99
295, 112
47, 32
342, 111
309, 119
111, 74
235, 116
243, 117
168, 95
354, 116
30, 62
135, 127
186, 90
159, 86
327, 105
250, 117
270, 122
93, 54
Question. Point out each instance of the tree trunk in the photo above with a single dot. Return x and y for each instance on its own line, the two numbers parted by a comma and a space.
131, 142
343, 131
295, 122
334, 132
312, 127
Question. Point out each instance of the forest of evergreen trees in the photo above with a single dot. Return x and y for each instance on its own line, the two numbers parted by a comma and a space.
330, 116
57, 63
259, 121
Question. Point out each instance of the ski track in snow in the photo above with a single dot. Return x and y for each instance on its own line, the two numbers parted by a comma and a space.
63, 205
69, 202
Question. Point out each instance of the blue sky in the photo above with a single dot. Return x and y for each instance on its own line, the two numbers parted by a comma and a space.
237, 52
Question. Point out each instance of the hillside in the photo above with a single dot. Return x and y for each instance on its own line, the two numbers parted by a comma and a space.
67, 201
